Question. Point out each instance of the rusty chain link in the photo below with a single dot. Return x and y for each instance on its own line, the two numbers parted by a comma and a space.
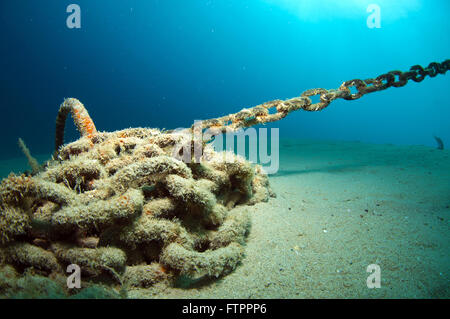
260, 114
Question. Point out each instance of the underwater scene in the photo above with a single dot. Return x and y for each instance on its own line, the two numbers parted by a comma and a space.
239, 149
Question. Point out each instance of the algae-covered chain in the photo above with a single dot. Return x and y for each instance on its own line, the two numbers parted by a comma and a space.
260, 114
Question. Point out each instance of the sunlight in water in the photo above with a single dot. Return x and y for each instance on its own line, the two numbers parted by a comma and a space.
314, 11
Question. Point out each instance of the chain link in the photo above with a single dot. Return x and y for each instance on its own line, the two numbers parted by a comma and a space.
261, 114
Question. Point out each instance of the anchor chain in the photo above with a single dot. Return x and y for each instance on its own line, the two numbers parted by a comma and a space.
261, 114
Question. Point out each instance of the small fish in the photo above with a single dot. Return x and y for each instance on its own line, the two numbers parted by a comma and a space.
439, 142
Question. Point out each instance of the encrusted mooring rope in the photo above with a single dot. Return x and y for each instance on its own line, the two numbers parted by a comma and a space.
80, 116
260, 114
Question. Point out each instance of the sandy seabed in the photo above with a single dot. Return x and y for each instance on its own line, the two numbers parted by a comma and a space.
340, 207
